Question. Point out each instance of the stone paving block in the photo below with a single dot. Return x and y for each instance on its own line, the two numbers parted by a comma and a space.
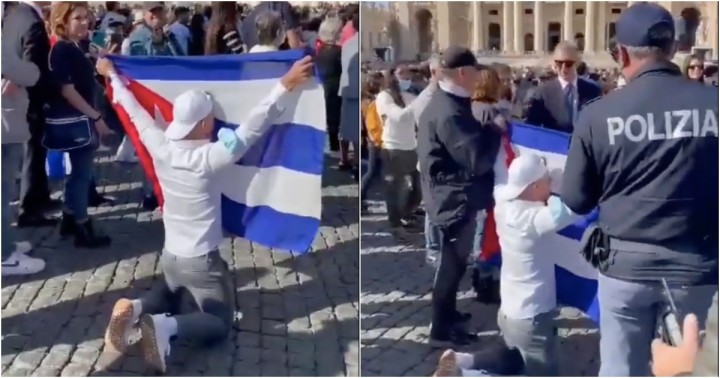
54, 321
396, 309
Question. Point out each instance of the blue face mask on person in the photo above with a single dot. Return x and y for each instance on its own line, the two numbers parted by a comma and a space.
404, 84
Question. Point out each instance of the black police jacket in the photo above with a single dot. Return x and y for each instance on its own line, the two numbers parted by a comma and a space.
647, 155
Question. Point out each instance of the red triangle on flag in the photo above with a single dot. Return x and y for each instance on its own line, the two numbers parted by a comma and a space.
152, 103
490, 245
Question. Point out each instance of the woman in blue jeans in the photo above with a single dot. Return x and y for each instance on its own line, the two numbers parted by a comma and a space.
73, 72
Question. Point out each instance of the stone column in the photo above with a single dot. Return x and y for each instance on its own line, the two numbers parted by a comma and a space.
538, 28
443, 24
518, 11
602, 23
478, 28
568, 14
507, 29
590, 27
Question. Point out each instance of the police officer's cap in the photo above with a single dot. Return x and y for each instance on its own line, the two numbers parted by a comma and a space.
457, 57
645, 25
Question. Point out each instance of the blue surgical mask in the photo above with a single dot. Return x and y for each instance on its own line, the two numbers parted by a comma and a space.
404, 84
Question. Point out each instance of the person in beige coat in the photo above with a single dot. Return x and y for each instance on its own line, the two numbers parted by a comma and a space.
17, 75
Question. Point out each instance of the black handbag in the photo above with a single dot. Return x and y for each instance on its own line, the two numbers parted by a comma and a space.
68, 133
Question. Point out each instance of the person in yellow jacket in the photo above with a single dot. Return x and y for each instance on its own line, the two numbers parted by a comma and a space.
373, 128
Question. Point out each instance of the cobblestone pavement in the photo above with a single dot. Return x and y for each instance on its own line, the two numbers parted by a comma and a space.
300, 313
395, 310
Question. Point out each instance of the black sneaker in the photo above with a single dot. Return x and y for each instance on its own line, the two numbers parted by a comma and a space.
150, 203
67, 225
86, 237
450, 340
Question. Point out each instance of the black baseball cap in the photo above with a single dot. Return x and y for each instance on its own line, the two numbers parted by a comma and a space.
645, 25
456, 57
152, 6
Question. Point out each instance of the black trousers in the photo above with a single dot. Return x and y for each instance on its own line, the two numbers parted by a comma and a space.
34, 189
401, 201
456, 244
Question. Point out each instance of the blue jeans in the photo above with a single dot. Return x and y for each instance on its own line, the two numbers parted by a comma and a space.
78, 183
373, 171
12, 158
628, 320
432, 243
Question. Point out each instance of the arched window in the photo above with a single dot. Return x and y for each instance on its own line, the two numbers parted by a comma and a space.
423, 17
529, 42
494, 36
580, 41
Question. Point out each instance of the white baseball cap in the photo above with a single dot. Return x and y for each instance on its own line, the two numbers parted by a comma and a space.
524, 170
189, 109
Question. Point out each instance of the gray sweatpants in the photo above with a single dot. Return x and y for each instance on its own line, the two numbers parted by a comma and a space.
536, 339
207, 279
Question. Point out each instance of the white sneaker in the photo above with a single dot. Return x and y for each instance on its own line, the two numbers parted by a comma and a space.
126, 152
23, 247
155, 340
20, 264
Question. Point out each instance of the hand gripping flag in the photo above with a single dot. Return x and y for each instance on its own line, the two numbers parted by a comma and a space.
576, 279
272, 196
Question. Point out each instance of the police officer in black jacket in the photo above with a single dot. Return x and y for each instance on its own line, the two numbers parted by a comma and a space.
457, 155
647, 156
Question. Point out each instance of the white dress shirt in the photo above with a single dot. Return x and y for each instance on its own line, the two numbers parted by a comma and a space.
262, 48
188, 170
527, 274
398, 123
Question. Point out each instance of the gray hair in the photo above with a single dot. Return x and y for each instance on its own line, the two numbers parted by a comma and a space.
329, 31
642, 53
268, 25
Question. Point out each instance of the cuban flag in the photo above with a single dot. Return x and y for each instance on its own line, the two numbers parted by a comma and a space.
272, 196
575, 278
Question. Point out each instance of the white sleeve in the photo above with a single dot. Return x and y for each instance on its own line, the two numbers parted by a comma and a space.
150, 135
228, 150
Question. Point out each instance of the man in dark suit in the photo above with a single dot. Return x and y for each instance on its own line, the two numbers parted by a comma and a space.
24, 30
556, 104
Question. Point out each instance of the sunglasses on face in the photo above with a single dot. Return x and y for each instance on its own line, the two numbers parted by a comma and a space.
565, 63
695, 67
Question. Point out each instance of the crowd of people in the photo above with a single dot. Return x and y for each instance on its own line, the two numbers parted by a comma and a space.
54, 79
436, 133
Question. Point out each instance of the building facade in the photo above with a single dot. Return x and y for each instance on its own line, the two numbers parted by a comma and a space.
416, 29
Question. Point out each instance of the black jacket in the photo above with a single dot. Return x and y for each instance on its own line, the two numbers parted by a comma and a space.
647, 155
23, 31
457, 155
546, 106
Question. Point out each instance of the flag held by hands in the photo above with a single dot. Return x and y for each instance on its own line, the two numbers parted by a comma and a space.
272, 196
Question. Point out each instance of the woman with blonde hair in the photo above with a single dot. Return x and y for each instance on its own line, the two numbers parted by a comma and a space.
74, 112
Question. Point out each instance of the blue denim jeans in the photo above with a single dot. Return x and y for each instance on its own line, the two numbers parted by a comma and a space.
373, 172
628, 319
483, 268
78, 183
432, 243
12, 158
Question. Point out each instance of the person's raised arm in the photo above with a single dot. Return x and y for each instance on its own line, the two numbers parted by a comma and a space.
386, 107
151, 136
231, 146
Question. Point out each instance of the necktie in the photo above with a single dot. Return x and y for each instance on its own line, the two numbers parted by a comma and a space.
570, 102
